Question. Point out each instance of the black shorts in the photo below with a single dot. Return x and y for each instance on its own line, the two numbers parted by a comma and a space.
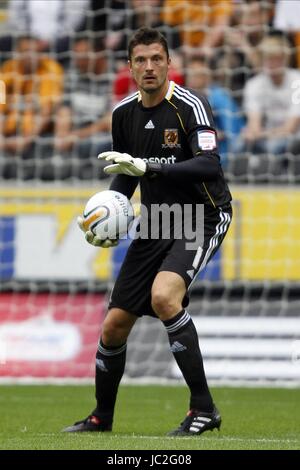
145, 258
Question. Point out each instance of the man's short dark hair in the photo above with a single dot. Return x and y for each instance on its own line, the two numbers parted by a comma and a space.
147, 36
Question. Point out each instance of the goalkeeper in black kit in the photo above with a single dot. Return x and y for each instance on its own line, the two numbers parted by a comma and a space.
164, 140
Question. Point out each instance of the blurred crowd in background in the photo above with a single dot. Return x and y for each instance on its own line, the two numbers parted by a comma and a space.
63, 66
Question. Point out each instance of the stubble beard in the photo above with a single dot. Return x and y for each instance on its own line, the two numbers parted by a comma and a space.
152, 90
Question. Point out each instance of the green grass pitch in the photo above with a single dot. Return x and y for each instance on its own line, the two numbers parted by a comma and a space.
32, 417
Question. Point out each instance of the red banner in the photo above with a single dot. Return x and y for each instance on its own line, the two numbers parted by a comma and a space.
49, 335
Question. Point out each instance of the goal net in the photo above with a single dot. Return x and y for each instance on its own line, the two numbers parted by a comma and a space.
54, 287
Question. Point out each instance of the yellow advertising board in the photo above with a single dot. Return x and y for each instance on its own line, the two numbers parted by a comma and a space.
263, 242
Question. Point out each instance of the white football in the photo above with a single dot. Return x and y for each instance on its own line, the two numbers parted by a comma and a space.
108, 214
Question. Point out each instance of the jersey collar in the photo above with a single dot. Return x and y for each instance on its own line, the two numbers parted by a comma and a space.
170, 90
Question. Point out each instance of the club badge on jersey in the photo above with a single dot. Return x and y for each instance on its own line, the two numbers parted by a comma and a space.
207, 139
171, 137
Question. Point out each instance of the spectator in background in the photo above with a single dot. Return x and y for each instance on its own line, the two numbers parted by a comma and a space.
287, 19
83, 121
201, 24
34, 85
252, 23
240, 57
50, 22
227, 115
273, 115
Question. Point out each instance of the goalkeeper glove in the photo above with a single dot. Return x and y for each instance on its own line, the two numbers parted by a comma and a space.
94, 239
122, 163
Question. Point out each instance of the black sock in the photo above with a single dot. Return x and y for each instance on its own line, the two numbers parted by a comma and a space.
184, 343
110, 365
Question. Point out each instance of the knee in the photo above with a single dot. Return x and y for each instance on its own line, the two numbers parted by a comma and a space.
164, 304
112, 332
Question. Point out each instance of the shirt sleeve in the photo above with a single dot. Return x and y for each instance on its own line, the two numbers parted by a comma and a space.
206, 168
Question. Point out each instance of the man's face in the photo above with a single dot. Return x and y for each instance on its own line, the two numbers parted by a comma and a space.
83, 56
252, 16
198, 75
28, 54
275, 63
149, 66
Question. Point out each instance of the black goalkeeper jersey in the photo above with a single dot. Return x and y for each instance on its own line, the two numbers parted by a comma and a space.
176, 134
